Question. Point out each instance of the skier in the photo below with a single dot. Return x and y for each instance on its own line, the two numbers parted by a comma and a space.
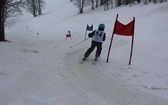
98, 36
68, 35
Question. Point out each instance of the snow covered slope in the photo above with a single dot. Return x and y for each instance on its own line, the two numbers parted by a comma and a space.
38, 67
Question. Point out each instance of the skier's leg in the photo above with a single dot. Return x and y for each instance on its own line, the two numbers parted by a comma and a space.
98, 51
89, 51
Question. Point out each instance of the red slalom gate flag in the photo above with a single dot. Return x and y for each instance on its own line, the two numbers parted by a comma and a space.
124, 30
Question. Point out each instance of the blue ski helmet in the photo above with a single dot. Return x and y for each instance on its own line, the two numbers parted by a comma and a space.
102, 26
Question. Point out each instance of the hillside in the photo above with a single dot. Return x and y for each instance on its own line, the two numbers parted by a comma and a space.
42, 69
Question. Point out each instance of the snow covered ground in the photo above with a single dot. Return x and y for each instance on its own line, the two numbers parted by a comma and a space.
42, 69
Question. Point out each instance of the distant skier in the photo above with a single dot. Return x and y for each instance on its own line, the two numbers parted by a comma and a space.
68, 35
98, 36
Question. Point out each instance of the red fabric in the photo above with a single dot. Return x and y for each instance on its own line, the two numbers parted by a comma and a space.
125, 30
68, 35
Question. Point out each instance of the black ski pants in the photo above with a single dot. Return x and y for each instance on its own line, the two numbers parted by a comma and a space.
93, 45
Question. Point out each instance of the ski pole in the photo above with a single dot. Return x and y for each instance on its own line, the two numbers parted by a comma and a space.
79, 42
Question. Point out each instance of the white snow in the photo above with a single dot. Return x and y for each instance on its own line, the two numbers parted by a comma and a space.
42, 69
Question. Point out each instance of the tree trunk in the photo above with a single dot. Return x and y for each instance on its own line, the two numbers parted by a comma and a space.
92, 5
34, 8
40, 8
102, 2
107, 2
81, 10
139, 1
2, 20
81, 7
111, 4
97, 3
118, 3
2, 31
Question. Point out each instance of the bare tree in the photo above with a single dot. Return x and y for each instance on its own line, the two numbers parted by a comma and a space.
79, 4
92, 4
97, 3
8, 8
106, 5
102, 2
35, 7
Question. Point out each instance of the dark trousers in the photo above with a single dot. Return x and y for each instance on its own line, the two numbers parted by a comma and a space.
93, 45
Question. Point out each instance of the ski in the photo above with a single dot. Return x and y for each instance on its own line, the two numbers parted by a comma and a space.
81, 62
95, 61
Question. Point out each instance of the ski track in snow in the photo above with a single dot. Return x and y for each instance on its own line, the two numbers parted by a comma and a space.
55, 74
95, 82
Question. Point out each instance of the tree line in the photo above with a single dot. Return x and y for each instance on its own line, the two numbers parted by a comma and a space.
11, 8
109, 4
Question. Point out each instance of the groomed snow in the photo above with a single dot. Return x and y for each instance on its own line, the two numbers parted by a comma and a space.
42, 69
